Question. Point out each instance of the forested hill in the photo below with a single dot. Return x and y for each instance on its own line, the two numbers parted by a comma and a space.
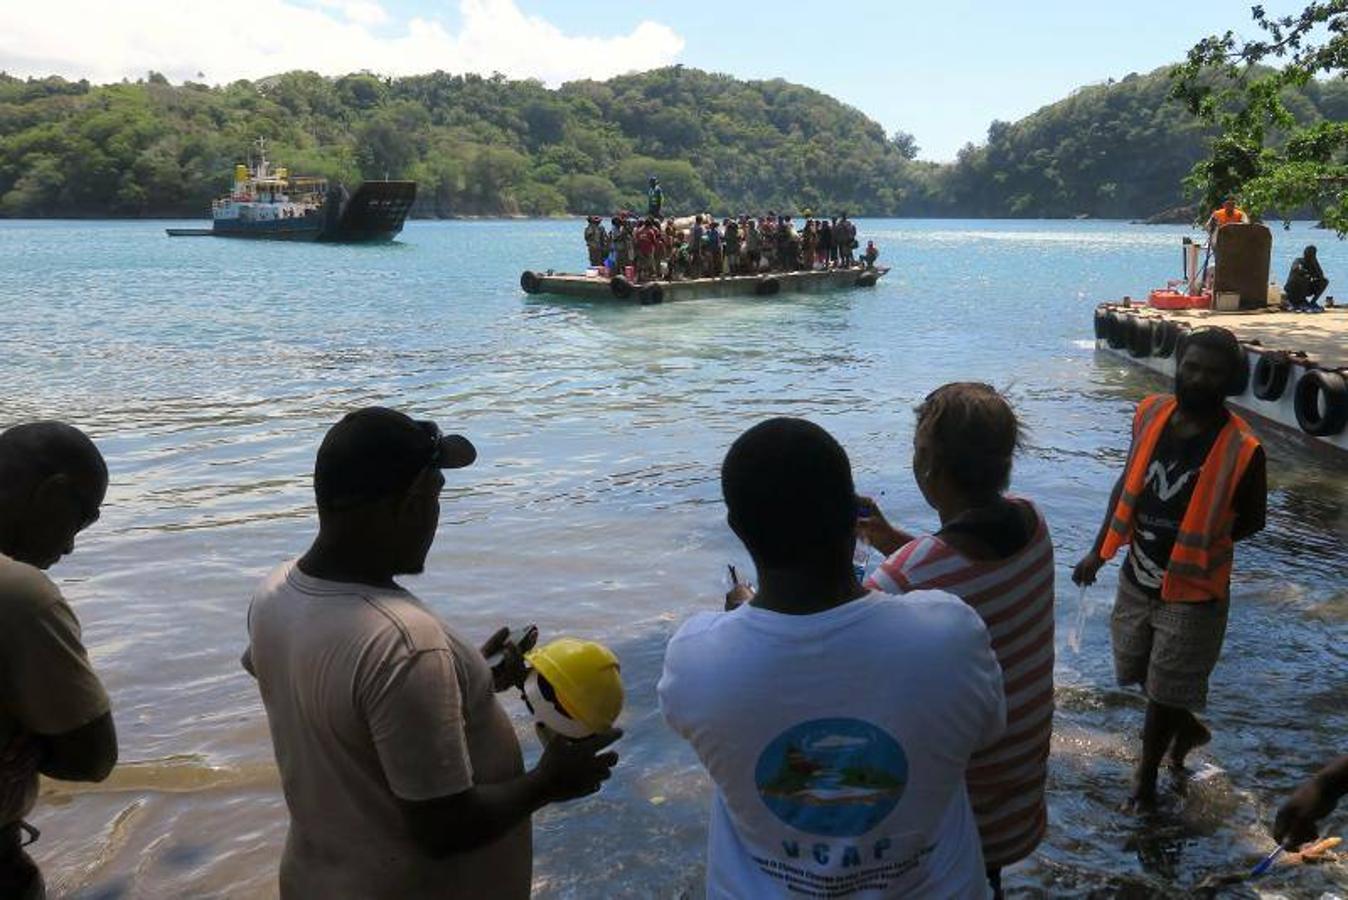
475, 145
1114, 150
490, 146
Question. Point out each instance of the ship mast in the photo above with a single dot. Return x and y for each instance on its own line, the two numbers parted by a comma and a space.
261, 158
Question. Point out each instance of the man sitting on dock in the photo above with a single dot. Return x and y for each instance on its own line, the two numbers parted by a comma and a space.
1193, 485
1305, 282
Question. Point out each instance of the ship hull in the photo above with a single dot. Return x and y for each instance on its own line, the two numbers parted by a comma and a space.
375, 213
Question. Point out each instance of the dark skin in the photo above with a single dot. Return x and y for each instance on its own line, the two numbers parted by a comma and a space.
372, 544
1200, 387
40, 516
803, 586
1298, 820
941, 491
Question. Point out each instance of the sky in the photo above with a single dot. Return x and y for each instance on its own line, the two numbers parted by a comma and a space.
941, 70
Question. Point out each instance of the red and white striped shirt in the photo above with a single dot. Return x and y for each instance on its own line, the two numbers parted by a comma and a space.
1014, 597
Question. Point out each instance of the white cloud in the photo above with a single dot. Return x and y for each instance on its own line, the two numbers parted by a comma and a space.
226, 40
362, 12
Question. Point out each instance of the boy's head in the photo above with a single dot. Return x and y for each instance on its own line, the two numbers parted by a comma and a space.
789, 495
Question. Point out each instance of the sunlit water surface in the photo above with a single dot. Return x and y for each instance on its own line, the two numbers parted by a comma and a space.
208, 371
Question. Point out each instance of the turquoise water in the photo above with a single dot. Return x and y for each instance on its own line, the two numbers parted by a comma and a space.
208, 371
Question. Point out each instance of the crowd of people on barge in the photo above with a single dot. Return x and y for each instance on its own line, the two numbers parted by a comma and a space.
403, 774
701, 246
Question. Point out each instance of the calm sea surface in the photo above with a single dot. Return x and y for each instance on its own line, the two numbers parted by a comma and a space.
208, 371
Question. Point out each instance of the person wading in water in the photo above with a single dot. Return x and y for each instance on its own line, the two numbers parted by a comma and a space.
1194, 484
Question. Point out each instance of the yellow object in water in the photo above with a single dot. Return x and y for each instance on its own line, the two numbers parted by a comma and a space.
1319, 848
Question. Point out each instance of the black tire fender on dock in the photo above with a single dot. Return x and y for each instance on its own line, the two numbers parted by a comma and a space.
620, 286
1164, 337
1117, 330
531, 283
1316, 386
866, 279
651, 294
1139, 336
767, 286
1270, 375
1101, 323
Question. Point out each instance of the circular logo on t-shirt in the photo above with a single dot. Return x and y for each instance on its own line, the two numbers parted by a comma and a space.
834, 777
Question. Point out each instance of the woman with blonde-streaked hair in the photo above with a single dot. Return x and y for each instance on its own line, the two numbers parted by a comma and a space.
994, 552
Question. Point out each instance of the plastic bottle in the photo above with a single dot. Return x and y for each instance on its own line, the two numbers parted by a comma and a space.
861, 558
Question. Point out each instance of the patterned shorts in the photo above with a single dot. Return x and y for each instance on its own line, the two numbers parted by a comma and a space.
1168, 648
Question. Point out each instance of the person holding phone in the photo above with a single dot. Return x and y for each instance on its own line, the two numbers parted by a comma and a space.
994, 552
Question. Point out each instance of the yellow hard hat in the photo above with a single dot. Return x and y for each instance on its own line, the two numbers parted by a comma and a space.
586, 679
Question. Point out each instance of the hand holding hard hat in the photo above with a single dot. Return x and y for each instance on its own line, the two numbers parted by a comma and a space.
573, 688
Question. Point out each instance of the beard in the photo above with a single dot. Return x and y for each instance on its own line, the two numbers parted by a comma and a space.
1197, 401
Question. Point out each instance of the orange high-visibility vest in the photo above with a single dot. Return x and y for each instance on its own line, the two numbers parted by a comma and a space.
1222, 218
1200, 563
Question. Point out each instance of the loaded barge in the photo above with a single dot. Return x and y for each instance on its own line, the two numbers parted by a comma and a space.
1296, 365
619, 288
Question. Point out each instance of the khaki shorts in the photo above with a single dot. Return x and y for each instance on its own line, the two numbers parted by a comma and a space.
1170, 649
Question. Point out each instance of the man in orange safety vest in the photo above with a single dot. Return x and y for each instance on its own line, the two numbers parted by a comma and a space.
1194, 484
1226, 214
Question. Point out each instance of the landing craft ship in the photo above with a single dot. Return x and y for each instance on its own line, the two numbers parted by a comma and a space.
271, 203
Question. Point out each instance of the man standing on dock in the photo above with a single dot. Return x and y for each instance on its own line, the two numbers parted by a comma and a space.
1226, 214
1193, 485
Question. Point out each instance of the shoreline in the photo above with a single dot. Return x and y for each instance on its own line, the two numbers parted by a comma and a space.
580, 217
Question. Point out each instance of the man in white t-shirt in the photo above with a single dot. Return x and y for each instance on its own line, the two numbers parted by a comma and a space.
402, 772
835, 724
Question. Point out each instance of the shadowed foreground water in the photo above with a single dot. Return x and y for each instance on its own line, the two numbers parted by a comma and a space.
208, 371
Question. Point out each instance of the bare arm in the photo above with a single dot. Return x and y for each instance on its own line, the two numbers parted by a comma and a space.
1298, 820
876, 529
87, 753
1113, 504
1090, 564
568, 770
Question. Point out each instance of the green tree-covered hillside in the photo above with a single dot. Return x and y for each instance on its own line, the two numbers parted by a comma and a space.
476, 145
491, 146
1115, 150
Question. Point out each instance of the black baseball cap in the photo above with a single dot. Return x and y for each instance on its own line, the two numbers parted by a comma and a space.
377, 452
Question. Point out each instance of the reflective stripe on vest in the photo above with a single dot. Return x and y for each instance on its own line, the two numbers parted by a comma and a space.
1200, 561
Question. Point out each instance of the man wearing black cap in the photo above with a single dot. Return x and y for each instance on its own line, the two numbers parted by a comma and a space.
401, 771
